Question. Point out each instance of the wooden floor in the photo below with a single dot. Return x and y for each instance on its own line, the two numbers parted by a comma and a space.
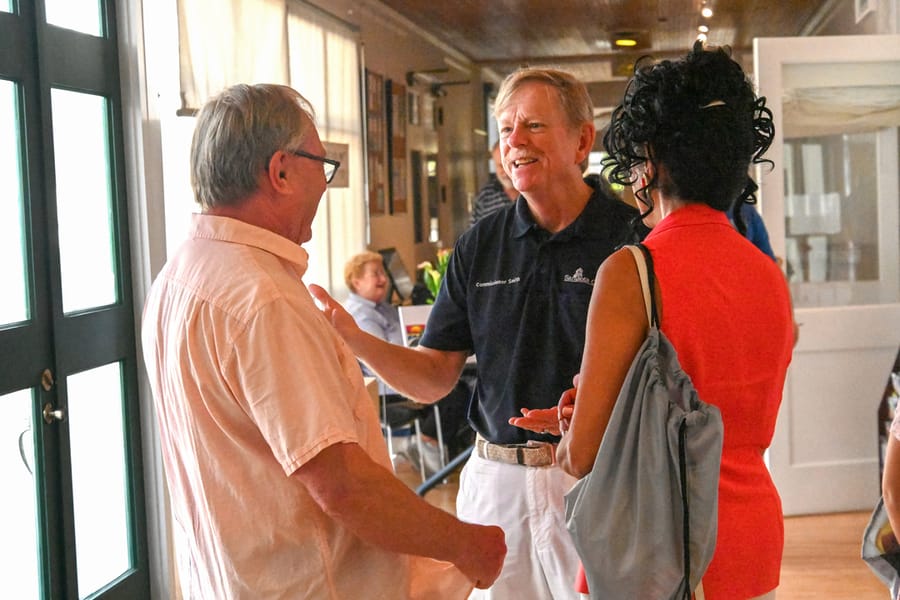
821, 552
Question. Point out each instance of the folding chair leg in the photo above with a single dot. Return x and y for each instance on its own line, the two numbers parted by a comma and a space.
389, 438
421, 449
440, 436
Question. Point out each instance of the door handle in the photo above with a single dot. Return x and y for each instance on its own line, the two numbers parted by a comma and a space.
22, 453
51, 415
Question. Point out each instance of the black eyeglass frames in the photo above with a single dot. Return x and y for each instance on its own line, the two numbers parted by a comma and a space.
330, 165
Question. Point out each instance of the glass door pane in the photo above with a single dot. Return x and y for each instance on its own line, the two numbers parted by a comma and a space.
99, 477
83, 200
18, 519
841, 202
14, 300
78, 15
836, 251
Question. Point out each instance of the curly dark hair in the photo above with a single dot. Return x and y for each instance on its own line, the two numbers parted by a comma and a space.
700, 119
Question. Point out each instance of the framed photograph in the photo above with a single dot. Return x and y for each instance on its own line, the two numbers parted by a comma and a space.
375, 143
413, 107
341, 153
396, 100
426, 111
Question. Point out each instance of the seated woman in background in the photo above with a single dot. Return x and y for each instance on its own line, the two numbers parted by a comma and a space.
368, 283
684, 137
367, 303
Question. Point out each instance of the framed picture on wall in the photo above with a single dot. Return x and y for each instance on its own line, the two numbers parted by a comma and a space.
427, 111
413, 108
396, 145
375, 143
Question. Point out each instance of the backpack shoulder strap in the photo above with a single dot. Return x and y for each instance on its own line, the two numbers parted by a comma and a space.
644, 262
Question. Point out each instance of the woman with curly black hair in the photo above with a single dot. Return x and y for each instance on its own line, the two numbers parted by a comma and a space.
684, 138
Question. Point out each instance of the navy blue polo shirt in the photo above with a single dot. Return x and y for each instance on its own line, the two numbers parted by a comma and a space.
517, 297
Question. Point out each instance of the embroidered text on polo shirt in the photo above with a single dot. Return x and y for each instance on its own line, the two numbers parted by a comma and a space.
498, 282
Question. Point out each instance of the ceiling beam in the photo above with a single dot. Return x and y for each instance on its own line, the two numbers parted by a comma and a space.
594, 56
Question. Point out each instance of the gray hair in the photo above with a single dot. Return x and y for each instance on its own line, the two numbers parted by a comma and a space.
573, 94
237, 133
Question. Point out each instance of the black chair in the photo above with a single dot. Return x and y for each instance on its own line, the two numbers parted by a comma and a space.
400, 415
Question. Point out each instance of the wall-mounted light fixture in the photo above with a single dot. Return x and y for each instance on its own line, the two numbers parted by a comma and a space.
437, 89
425, 76
436, 86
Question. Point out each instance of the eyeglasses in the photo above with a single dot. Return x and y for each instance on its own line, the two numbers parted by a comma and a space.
331, 165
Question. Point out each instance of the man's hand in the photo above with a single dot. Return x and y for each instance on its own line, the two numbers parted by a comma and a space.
337, 315
554, 421
481, 557
538, 420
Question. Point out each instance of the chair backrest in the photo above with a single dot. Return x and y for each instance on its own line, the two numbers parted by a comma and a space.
401, 282
412, 322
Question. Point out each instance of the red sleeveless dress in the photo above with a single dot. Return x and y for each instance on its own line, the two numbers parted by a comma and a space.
726, 309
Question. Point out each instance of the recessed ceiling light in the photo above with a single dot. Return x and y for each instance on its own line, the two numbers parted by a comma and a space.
702, 37
703, 29
706, 12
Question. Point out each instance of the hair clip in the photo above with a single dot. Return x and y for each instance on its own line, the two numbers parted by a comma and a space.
713, 103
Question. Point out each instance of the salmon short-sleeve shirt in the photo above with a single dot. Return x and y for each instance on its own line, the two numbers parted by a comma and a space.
250, 382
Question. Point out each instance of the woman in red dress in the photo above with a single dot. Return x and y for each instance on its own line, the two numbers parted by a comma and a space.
684, 137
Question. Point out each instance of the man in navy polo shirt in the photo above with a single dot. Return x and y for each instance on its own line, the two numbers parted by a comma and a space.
516, 295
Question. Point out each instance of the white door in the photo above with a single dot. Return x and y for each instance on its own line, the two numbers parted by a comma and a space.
831, 206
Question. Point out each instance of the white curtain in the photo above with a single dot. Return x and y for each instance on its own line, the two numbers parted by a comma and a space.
324, 67
223, 42
833, 110
830, 98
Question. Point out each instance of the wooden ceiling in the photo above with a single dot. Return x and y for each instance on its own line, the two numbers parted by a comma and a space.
577, 34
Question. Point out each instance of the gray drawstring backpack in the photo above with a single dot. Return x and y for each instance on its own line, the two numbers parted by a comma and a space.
644, 519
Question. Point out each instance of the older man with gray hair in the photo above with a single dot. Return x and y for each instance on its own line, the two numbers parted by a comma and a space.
279, 477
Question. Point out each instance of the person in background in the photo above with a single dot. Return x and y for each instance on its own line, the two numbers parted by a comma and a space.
684, 137
497, 193
516, 294
369, 286
890, 478
754, 229
367, 302
278, 475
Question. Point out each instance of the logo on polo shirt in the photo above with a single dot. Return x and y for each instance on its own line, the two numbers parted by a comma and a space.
578, 277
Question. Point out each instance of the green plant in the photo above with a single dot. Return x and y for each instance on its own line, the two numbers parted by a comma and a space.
433, 274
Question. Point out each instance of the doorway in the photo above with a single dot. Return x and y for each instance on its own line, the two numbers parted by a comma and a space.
73, 521
832, 207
